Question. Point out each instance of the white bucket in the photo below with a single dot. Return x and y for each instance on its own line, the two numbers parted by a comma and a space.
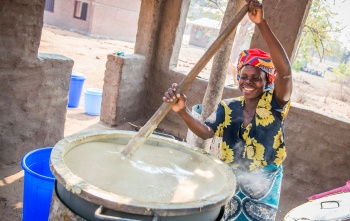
93, 100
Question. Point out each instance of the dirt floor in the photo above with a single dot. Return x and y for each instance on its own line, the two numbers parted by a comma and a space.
90, 56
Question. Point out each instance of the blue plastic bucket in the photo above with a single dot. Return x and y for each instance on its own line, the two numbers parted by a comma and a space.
75, 89
38, 185
93, 99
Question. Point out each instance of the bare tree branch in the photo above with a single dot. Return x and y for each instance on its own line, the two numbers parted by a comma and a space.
217, 4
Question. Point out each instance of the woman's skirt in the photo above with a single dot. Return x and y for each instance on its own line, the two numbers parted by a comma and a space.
257, 195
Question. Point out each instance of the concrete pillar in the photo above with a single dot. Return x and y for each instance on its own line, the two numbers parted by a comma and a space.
174, 23
140, 76
279, 15
171, 26
147, 32
124, 89
161, 27
21, 23
216, 83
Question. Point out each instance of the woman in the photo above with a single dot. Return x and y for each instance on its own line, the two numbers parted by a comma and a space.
251, 126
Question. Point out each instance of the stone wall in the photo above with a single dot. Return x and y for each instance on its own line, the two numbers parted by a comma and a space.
124, 78
34, 88
318, 153
33, 103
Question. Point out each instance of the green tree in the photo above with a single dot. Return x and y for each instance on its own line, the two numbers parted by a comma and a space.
320, 32
342, 77
213, 9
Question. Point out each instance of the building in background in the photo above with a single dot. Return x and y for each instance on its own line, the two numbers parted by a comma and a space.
112, 19
203, 32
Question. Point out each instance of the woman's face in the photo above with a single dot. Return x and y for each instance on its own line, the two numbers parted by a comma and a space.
252, 82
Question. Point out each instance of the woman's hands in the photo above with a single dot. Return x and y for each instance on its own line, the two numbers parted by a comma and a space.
170, 95
200, 129
255, 11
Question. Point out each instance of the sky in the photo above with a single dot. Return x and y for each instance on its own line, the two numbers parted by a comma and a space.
342, 8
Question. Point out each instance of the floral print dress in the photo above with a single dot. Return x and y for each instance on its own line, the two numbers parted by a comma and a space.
255, 153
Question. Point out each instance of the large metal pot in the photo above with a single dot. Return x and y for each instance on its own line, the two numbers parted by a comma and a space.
94, 203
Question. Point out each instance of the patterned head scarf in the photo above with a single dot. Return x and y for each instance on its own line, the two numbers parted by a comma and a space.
259, 59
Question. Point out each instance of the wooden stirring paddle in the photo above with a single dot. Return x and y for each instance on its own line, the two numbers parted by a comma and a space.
138, 139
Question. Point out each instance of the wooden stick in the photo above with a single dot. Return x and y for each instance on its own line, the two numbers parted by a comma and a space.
138, 139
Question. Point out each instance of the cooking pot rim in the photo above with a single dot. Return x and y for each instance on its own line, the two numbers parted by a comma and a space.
93, 194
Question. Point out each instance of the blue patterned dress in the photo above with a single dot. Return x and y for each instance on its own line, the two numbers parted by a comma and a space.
255, 154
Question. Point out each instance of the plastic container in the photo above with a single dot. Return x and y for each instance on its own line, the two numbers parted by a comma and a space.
192, 138
75, 89
38, 185
93, 99
331, 207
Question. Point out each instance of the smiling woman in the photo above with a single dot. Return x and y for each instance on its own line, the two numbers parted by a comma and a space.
261, 60
252, 82
251, 126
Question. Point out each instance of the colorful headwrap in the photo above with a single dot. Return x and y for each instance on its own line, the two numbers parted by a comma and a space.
259, 59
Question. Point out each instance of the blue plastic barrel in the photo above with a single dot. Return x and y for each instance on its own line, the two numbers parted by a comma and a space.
92, 102
75, 89
38, 185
